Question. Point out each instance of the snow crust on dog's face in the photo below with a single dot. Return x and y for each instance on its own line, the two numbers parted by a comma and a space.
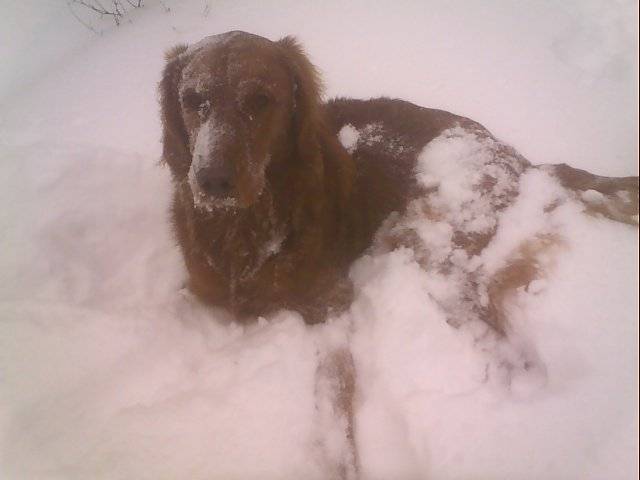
236, 100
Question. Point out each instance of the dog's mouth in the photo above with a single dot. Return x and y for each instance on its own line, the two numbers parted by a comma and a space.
206, 202
214, 192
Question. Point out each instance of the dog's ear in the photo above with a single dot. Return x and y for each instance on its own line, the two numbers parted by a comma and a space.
307, 114
307, 85
175, 149
307, 125
326, 169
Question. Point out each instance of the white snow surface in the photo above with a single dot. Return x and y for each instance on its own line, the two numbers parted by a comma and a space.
109, 369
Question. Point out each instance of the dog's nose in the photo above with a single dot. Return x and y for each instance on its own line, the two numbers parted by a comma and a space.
215, 182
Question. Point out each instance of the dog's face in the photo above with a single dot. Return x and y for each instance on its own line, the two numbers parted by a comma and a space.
236, 100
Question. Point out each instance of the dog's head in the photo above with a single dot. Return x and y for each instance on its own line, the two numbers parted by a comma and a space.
233, 106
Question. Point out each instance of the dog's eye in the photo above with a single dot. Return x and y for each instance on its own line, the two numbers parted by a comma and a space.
256, 103
192, 100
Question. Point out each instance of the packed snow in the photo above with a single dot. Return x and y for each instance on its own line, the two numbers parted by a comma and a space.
109, 368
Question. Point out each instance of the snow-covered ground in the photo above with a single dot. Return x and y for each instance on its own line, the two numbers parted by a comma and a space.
109, 370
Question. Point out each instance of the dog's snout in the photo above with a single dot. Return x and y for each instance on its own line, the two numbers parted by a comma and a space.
215, 182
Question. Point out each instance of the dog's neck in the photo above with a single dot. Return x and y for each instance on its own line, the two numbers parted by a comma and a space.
236, 242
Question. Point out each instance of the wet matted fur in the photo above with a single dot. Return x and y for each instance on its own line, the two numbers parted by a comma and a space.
270, 209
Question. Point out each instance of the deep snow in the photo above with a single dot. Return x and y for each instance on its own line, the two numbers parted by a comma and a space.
109, 369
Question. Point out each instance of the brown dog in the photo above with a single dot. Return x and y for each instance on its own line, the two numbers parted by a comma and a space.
271, 209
